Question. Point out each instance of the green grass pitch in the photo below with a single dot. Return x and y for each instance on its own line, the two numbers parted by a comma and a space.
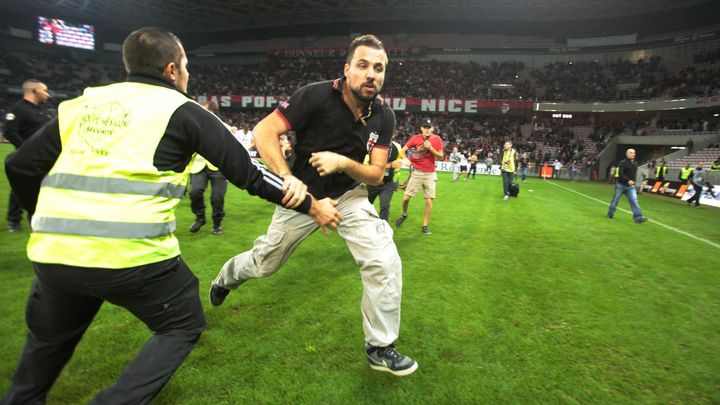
538, 299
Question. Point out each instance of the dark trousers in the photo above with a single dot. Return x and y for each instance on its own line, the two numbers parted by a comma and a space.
198, 184
698, 193
385, 191
14, 212
62, 304
507, 181
473, 170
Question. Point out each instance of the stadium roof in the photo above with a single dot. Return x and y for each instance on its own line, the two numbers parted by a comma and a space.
233, 15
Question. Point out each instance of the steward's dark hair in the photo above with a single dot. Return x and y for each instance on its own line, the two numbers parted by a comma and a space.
149, 49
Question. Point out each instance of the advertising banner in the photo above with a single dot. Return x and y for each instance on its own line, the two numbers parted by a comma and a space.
409, 104
340, 53
709, 196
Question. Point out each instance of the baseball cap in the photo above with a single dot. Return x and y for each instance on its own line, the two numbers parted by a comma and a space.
426, 122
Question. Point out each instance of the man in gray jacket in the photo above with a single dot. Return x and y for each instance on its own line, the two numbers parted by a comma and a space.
698, 179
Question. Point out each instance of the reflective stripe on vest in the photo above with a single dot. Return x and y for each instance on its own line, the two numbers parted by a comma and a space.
103, 229
113, 186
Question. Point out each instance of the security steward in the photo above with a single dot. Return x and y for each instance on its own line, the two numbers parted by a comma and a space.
109, 172
22, 120
660, 172
685, 174
387, 188
203, 172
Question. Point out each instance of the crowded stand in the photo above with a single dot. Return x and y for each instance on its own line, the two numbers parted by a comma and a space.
580, 81
539, 140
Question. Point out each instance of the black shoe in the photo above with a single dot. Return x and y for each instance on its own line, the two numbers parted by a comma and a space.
13, 227
217, 230
218, 294
400, 220
640, 220
610, 216
426, 230
199, 222
388, 359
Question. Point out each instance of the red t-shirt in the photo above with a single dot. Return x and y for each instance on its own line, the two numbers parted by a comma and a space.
420, 157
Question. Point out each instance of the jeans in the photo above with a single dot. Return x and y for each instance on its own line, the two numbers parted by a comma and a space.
631, 194
523, 173
507, 181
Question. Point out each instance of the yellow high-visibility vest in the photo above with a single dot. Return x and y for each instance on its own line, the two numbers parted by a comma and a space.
199, 164
660, 171
104, 204
508, 155
685, 173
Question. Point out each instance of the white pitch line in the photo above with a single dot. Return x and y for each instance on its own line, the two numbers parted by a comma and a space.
713, 244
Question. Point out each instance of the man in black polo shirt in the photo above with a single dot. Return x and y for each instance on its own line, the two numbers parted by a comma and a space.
336, 123
22, 120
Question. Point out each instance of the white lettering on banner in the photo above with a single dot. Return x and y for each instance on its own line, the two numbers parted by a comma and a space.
222, 101
471, 106
258, 101
428, 105
399, 104
453, 105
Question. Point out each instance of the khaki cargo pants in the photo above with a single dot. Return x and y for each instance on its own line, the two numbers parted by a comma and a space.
370, 241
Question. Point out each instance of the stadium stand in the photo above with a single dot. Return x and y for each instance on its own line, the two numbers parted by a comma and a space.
706, 155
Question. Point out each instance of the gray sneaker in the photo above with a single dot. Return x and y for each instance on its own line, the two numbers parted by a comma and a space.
400, 220
388, 359
218, 294
426, 230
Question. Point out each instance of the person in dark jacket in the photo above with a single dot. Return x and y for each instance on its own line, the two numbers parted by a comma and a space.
627, 170
21, 121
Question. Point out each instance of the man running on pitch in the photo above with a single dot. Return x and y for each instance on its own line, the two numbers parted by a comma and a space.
337, 123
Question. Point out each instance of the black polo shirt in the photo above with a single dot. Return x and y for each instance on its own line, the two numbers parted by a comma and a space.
322, 121
24, 119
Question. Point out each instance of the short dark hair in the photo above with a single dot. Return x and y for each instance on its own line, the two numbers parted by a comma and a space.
149, 49
368, 40
212, 107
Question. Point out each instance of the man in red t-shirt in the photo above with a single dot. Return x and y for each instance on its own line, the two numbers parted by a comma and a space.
422, 150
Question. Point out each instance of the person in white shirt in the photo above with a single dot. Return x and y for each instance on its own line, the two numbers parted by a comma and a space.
245, 137
463, 165
455, 160
557, 166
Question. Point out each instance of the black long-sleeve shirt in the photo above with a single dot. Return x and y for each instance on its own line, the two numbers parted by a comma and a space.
23, 119
191, 129
628, 171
